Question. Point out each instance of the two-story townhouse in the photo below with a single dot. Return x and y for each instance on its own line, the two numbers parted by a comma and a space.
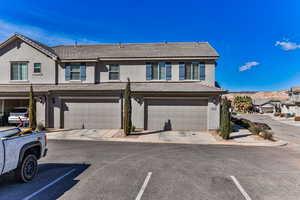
82, 86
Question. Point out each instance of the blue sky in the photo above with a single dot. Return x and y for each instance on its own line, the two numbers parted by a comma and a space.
258, 40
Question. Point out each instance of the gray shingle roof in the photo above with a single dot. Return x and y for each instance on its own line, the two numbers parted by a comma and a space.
295, 89
261, 101
135, 50
126, 50
137, 87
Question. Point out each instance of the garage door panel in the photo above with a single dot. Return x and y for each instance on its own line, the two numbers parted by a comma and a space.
178, 115
92, 114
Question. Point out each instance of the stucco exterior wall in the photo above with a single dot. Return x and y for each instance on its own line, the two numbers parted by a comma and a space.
21, 51
213, 113
40, 112
136, 71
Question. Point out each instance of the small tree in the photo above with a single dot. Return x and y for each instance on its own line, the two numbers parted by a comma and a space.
243, 104
225, 119
127, 123
32, 109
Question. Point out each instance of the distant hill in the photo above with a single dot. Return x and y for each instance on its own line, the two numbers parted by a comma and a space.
277, 95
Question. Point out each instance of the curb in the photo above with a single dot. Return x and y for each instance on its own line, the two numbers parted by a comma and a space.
274, 144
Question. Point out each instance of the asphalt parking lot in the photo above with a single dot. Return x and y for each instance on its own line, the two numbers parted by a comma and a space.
133, 171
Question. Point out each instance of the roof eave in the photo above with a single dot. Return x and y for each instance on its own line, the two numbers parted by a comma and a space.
36, 46
159, 58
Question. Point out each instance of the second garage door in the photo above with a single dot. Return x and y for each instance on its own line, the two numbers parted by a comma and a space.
177, 115
92, 114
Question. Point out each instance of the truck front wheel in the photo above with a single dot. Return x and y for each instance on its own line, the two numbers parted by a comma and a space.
27, 169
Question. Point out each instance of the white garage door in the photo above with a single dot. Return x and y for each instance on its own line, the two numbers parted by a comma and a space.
92, 114
177, 115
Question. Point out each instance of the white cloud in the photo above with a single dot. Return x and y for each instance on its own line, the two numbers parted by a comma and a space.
287, 46
41, 35
248, 66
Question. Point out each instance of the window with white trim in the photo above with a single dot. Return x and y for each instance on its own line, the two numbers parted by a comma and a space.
75, 71
114, 72
37, 67
158, 71
191, 71
19, 71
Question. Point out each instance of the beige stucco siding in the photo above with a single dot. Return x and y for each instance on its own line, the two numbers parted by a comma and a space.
213, 122
40, 112
21, 51
136, 71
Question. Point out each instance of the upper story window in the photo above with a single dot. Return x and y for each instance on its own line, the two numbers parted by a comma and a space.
191, 71
75, 72
19, 71
37, 68
114, 72
159, 71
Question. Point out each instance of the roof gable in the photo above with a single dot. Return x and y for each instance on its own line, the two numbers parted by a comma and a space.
37, 45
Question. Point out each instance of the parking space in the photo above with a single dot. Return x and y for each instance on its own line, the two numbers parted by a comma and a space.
140, 171
47, 180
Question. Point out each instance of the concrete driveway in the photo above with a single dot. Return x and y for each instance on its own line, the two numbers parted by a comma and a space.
80, 170
282, 131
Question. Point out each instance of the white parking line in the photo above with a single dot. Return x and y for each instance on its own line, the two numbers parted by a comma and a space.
139, 196
239, 186
49, 185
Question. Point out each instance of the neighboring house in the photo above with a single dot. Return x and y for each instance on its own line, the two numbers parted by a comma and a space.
292, 106
288, 107
265, 105
82, 86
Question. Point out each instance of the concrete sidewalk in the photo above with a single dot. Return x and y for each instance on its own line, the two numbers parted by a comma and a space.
242, 137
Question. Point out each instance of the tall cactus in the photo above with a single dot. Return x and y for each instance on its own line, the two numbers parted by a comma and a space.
32, 109
127, 110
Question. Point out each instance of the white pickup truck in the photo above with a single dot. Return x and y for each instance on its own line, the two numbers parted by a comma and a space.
19, 152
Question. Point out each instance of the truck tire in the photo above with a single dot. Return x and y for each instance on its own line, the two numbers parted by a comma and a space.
27, 169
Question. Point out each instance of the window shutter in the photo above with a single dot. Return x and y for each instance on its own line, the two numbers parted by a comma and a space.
82, 72
181, 71
67, 72
148, 71
202, 71
168, 71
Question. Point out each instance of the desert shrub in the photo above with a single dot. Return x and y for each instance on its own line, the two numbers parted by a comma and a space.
262, 126
289, 115
283, 115
269, 111
133, 128
276, 114
254, 127
266, 134
297, 119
